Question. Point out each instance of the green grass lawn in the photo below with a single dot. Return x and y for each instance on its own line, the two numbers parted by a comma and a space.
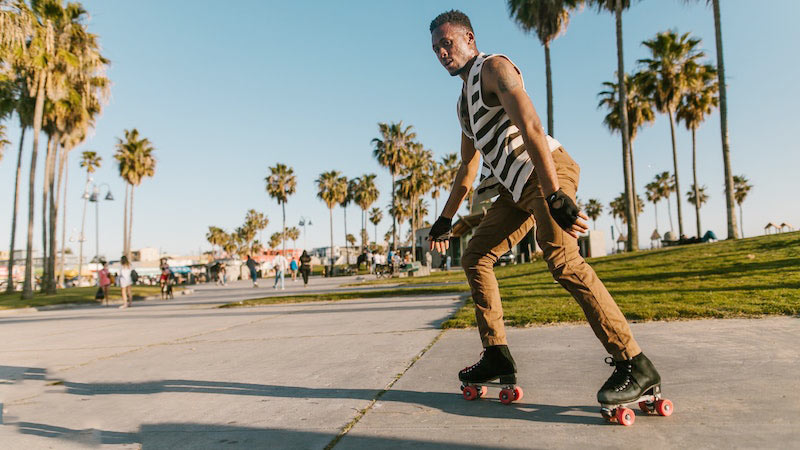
336, 296
744, 278
73, 295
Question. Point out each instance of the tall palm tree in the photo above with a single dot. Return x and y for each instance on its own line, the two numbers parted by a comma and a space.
375, 216
293, 233
654, 192
390, 149
366, 193
331, 191
640, 112
594, 209
349, 196
616, 6
548, 19
135, 159
666, 71
697, 196
741, 187
415, 184
281, 183
697, 102
443, 176
665, 185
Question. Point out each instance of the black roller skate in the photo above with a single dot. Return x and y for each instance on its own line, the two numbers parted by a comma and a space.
634, 380
496, 363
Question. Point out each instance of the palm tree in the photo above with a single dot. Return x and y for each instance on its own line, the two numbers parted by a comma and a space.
293, 233
275, 240
281, 183
697, 196
331, 190
365, 194
91, 162
617, 6
666, 71
135, 158
653, 192
390, 150
640, 112
665, 184
697, 102
375, 216
349, 196
548, 19
254, 222
741, 187
415, 184
593, 209
216, 236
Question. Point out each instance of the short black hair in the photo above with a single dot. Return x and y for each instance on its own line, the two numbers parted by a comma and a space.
453, 16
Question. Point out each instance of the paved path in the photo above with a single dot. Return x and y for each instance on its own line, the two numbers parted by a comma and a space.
184, 374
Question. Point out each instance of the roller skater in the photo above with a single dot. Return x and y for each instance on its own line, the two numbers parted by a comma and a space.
535, 180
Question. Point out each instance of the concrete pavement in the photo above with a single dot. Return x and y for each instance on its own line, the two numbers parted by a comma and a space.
184, 374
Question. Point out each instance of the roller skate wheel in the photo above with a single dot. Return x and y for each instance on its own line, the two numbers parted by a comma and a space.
506, 396
518, 394
645, 407
482, 392
625, 416
470, 392
664, 407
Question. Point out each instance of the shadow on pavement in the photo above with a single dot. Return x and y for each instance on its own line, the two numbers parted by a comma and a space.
12, 374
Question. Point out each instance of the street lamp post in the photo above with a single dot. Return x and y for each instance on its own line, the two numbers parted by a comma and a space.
95, 197
303, 222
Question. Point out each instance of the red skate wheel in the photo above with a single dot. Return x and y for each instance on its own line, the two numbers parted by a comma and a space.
625, 416
645, 407
518, 394
470, 393
483, 391
506, 396
664, 407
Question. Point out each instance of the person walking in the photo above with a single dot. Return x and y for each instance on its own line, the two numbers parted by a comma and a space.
251, 265
293, 267
305, 267
536, 180
279, 264
104, 281
222, 275
125, 282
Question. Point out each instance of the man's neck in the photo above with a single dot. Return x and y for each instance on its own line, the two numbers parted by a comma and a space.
468, 67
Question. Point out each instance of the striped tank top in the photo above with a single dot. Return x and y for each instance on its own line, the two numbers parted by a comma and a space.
505, 161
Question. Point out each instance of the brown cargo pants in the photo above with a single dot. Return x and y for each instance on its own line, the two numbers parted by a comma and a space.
504, 225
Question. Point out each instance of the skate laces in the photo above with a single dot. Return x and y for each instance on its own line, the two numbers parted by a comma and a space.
621, 377
469, 368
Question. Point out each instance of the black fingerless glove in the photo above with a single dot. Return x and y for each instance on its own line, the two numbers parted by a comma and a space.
440, 231
563, 209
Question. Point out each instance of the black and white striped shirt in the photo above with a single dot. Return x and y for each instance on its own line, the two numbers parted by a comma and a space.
505, 161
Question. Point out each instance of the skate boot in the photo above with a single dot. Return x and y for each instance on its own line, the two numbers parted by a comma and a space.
496, 363
634, 380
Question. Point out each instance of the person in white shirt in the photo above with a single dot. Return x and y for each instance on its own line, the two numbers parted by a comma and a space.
125, 282
279, 264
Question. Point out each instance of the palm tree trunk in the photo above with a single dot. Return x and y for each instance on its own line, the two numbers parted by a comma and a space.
125, 223
330, 211
741, 219
549, 76
83, 224
630, 201
45, 280
669, 212
376, 233
655, 208
694, 173
10, 285
53, 218
675, 165
346, 242
283, 210
723, 124
27, 287
130, 222
413, 228
394, 219
633, 185
65, 170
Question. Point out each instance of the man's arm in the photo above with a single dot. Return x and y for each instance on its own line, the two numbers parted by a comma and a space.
500, 78
465, 177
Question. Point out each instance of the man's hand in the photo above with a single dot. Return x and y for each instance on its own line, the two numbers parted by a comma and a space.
439, 237
566, 213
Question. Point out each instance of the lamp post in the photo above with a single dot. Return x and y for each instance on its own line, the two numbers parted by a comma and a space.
95, 197
303, 222
82, 238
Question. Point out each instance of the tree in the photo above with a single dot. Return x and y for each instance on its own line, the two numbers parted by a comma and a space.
665, 185
741, 188
616, 6
349, 194
281, 183
696, 193
593, 209
331, 190
390, 149
275, 240
254, 222
698, 101
217, 237
665, 81
548, 19
135, 160
375, 216
415, 184
293, 233
618, 207
365, 194
351, 239
654, 193
91, 162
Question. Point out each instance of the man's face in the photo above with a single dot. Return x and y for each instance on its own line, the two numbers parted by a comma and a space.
454, 47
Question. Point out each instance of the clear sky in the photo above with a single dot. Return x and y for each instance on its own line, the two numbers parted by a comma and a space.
226, 89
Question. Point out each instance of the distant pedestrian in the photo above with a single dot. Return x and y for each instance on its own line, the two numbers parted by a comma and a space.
251, 264
125, 282
305, 267
293, 267
104, 281
222, 275
279, 264
165, 282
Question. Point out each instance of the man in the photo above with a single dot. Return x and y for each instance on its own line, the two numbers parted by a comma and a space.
251, 264
536, 180
279, 264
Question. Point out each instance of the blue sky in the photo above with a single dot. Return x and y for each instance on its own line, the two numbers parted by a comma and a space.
225, 90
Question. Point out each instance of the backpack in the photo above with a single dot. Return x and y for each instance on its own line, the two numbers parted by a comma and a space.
134, 276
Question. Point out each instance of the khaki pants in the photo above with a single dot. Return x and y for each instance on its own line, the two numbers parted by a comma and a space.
503, 226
